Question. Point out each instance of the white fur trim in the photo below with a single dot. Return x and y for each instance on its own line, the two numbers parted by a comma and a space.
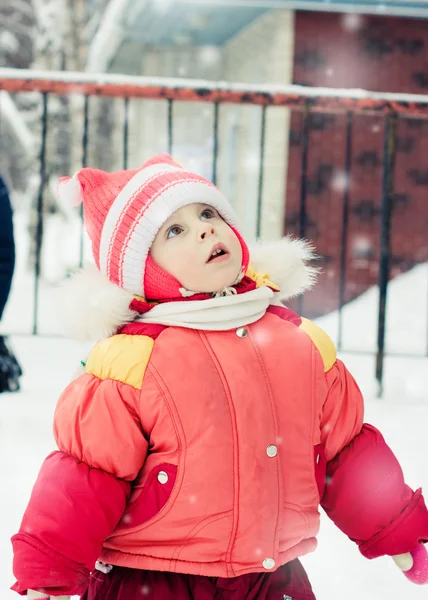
91, 307
285, 261
70, 190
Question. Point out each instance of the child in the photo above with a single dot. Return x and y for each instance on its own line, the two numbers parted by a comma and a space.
211, 421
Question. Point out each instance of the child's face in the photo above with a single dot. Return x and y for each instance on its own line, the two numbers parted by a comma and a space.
184, 246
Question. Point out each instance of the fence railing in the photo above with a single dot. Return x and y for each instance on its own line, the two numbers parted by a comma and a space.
308, 101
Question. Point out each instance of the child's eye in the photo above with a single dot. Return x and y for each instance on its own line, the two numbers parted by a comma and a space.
173, 231
208, 213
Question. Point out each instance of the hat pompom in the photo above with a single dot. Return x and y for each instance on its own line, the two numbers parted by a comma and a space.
70, 189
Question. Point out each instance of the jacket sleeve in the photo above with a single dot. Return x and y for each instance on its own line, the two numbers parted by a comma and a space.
342, 411
82, 490
365, 493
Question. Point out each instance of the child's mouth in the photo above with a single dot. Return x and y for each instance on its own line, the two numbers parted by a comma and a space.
218, 254
220, 257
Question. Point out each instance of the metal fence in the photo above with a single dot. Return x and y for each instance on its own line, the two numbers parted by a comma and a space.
392, 108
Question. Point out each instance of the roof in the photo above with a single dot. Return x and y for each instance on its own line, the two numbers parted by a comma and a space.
130, 25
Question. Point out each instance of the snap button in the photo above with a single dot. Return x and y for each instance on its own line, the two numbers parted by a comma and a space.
242, 332
271, 451
162, 477
268, 563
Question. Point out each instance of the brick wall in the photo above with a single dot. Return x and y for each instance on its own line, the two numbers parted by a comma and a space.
376, 53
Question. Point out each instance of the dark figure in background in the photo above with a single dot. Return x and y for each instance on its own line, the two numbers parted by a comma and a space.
10, 371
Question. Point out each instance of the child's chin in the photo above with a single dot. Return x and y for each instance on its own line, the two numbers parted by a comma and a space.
215, 289
226, 284
219, 283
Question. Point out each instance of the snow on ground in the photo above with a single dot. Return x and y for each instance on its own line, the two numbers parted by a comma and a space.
407, 301
337, 570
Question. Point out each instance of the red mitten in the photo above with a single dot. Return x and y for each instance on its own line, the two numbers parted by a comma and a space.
414, 565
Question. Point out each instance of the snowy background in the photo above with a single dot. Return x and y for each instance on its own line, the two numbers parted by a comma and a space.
337, 570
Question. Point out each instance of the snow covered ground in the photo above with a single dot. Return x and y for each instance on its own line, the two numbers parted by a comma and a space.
337, 570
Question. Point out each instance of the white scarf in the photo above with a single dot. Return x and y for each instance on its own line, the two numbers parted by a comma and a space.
216, 314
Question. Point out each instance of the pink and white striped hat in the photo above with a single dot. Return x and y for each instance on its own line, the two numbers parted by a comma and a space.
124, 210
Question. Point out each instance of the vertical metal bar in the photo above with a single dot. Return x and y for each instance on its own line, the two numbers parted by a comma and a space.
170, 124
304, 173
125, 133
215, 142
39, 227
345, 223
84, 164
303, 181
385, 239
85, 132
261, 173
426, 351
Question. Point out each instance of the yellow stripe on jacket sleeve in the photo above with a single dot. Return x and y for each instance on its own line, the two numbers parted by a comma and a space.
322, 342
121, 357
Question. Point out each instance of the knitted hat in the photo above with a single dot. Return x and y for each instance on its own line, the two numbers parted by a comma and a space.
123, 212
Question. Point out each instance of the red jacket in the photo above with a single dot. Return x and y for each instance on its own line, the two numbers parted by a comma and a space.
209, 453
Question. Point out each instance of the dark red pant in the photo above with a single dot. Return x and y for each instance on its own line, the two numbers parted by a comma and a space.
289, 582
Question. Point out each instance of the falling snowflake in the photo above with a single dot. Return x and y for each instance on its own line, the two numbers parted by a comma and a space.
252, 161
352, 22
8, 42
210, 55
339, 181
362, 246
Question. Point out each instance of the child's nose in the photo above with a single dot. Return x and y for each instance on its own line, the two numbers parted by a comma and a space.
206, 230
